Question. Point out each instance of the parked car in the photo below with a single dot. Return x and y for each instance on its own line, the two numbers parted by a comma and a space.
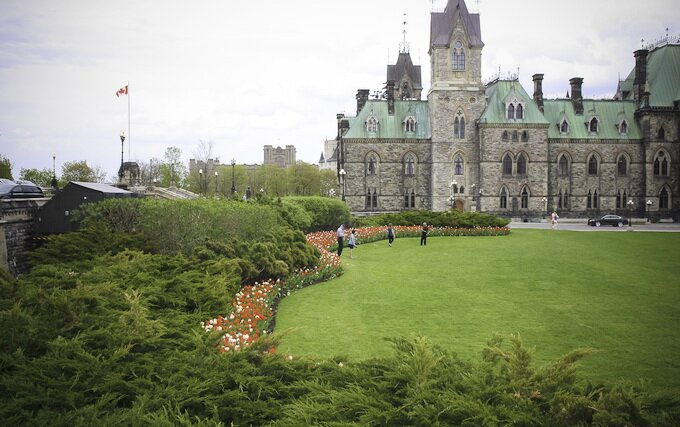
613, 220
20, 191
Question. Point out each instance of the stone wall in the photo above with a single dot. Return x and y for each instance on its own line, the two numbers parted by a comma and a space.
16, 233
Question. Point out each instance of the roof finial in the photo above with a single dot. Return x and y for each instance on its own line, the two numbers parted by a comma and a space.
666, 32
642, 43
403, 47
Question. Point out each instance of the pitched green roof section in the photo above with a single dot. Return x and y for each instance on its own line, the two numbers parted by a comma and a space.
501, 92
391, 126
610, 115
663, 76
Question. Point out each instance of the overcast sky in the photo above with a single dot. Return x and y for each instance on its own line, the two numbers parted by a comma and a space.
244, 74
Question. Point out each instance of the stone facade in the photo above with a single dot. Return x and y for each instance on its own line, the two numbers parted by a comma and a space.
493, 148
281, 157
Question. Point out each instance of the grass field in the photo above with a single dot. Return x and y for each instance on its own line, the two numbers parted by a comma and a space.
616, 292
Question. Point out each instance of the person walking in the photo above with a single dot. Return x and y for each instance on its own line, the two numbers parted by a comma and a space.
391, 234
553, 220
341, 238
352, 241
423, 234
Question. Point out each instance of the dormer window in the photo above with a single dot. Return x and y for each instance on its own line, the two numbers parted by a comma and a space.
592, 125
410, 124
564, 126
623, 127
372, 124
514, 110
458, 57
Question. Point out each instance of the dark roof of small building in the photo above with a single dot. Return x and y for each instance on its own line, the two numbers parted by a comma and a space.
102, 188
403, 66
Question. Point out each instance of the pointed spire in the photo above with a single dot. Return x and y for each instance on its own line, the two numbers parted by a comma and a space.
404, 45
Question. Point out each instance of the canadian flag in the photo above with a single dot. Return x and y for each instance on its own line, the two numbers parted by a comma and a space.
122, 91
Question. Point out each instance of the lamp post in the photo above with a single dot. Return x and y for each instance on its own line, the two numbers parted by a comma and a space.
342, 182
233, 176
454, 189
200, 180
122, 145
216, 182
472, 186
545, 204
54, 182
630, 219
649, 204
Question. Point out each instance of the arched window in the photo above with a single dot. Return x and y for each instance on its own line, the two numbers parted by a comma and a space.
662, 134
623, 127
458, 57
370, 166
511, 111
563, 199
368, 199
564, 126
504, 198
372, 125
563, 166
410, 124
507, 164
661, 164
663, 199
521, 165
596, 200
519, 112
622, 166
413, 199
618, 199
409, 166
525, 198
504, 135
459, 125
458, 165
515, 136
589, 200
525, 136
592, 166
592, 127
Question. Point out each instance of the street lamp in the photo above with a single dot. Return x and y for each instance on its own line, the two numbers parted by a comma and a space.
545, 204
200, 180
342, 182
630, 218
233, 176
122, 144
473, 192
649, 204
215, 182
454, 189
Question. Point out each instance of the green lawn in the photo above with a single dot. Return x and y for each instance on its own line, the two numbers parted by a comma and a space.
617, 292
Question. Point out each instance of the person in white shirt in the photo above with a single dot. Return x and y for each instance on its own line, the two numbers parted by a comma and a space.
341, 238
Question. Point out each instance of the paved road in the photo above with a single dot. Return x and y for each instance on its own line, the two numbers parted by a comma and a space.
581, 226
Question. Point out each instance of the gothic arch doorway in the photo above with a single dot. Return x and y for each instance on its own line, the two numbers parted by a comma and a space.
459, 205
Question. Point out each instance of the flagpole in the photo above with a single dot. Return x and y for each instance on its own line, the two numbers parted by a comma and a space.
128, 138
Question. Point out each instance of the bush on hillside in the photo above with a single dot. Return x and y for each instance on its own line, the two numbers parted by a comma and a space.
326, 213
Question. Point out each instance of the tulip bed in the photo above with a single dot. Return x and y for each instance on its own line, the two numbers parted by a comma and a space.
253, 307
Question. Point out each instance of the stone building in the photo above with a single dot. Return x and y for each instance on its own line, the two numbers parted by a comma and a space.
493, 147
281, 157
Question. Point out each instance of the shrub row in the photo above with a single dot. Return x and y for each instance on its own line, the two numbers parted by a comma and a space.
452, 219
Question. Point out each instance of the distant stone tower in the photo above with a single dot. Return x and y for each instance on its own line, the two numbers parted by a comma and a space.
279, 156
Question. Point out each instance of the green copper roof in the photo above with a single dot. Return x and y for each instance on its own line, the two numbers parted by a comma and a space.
663, 76
609, 114
501, 92
391, 126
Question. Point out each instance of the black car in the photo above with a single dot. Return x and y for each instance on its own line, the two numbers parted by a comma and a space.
20, 191
613, 220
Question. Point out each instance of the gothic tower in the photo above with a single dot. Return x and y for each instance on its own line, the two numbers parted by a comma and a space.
456, 101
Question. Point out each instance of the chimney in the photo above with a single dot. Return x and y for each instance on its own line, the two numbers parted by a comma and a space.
390, 97
538, 90
362, 97
576, 96
640, 74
